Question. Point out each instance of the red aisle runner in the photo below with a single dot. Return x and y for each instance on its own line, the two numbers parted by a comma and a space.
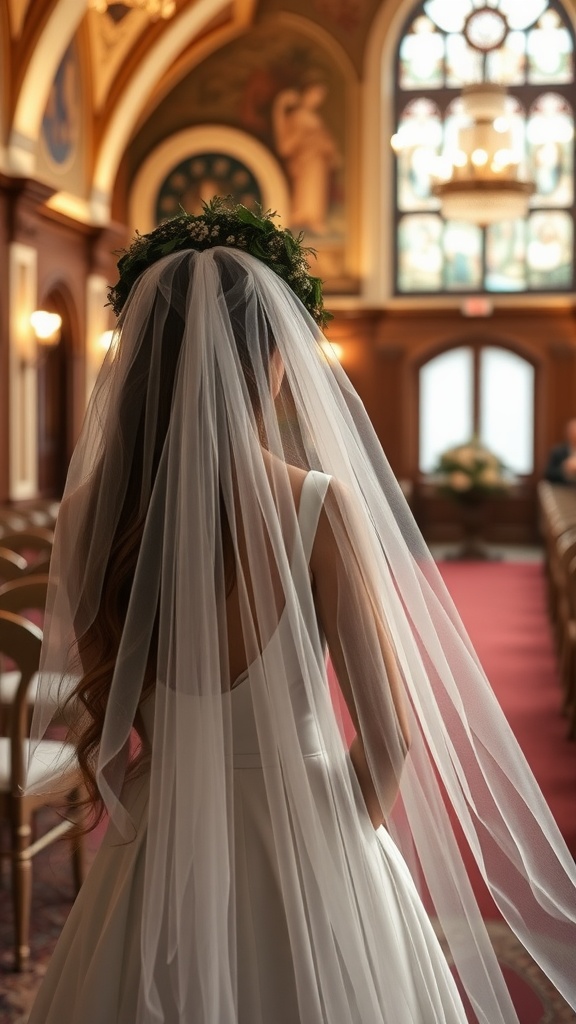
502, 605
503, 608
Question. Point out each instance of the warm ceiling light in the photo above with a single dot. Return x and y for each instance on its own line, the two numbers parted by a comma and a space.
501, 124
46, 326
155, 9
486, 186
105, 340
482, 182
332, 350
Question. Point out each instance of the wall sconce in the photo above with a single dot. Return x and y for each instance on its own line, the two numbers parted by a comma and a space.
105, 341
46, 327
332, 350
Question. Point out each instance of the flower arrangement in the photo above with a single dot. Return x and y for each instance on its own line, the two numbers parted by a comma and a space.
222, 222
470, 471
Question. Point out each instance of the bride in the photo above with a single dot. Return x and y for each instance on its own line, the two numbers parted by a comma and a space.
229, 517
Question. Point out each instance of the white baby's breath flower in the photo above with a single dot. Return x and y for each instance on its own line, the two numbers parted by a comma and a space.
459, 481
490, 477
465, 456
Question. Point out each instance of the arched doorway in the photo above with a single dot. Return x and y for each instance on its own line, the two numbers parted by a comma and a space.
54, 402
482, 388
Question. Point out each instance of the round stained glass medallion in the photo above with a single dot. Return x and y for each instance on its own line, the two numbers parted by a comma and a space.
486, 29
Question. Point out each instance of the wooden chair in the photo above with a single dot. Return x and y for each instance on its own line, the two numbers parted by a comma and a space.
35, 540
52, 768
568, 657
41, 512
557, 515
12, 565
40, 566
28, 593
563, 553
11, 522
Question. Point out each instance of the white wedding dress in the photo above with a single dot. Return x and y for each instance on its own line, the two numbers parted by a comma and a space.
93, 977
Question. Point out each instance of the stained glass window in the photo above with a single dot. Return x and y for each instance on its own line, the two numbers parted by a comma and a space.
202, 176
529, 48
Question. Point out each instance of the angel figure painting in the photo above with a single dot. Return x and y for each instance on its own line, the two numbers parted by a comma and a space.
309, 152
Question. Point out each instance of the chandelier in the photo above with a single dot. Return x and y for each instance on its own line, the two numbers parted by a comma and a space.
481, 182
479, 178
155, 9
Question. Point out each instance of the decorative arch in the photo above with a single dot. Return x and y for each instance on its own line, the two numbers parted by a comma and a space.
475, 336
457, 396
207, 138
57, 291
4, 79
57, 391
294, 47
376, 185
285, 20
176, 36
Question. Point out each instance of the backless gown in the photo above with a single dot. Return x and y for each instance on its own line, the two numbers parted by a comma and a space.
93, 976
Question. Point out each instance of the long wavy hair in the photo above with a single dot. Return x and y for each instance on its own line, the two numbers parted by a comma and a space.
98, 645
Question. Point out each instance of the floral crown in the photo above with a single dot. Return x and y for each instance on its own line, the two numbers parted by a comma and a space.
224, 223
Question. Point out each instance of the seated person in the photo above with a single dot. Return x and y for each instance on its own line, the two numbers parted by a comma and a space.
561, 466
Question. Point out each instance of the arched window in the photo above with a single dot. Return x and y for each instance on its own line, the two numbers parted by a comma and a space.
536, 64
482, 390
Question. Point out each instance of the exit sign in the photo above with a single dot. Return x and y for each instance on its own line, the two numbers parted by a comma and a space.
477, 305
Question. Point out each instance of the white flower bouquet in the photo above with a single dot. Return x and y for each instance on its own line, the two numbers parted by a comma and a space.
470, 471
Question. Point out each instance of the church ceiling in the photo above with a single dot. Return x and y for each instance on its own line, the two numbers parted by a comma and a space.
17, 10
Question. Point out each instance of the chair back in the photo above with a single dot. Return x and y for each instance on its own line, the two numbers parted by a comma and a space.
572, 587
566, 546
34, 538
20, 641
12, 565
28, 591
11, 522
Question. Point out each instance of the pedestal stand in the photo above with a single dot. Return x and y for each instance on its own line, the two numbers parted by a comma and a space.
473, 548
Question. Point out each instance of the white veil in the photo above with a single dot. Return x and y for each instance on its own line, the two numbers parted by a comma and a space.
183, 466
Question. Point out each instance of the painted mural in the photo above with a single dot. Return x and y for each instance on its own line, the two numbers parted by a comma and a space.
283, 88
61, 121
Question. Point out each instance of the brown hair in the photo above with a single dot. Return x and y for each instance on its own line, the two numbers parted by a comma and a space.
98, 645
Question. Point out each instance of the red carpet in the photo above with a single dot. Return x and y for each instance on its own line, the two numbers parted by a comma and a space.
503, 608
502, 605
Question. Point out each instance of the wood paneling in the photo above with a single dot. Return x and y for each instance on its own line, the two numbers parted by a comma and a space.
383, 352
68, 251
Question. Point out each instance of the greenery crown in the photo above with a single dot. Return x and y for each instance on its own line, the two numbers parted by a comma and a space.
232, 225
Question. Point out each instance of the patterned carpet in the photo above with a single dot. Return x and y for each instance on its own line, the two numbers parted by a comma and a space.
536, 1000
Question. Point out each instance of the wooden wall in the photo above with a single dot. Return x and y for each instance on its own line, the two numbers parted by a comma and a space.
67, 252
383, 350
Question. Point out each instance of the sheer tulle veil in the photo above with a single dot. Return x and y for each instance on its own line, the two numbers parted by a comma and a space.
185, 395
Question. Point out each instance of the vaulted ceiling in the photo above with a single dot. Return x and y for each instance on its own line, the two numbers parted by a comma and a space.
128, 64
